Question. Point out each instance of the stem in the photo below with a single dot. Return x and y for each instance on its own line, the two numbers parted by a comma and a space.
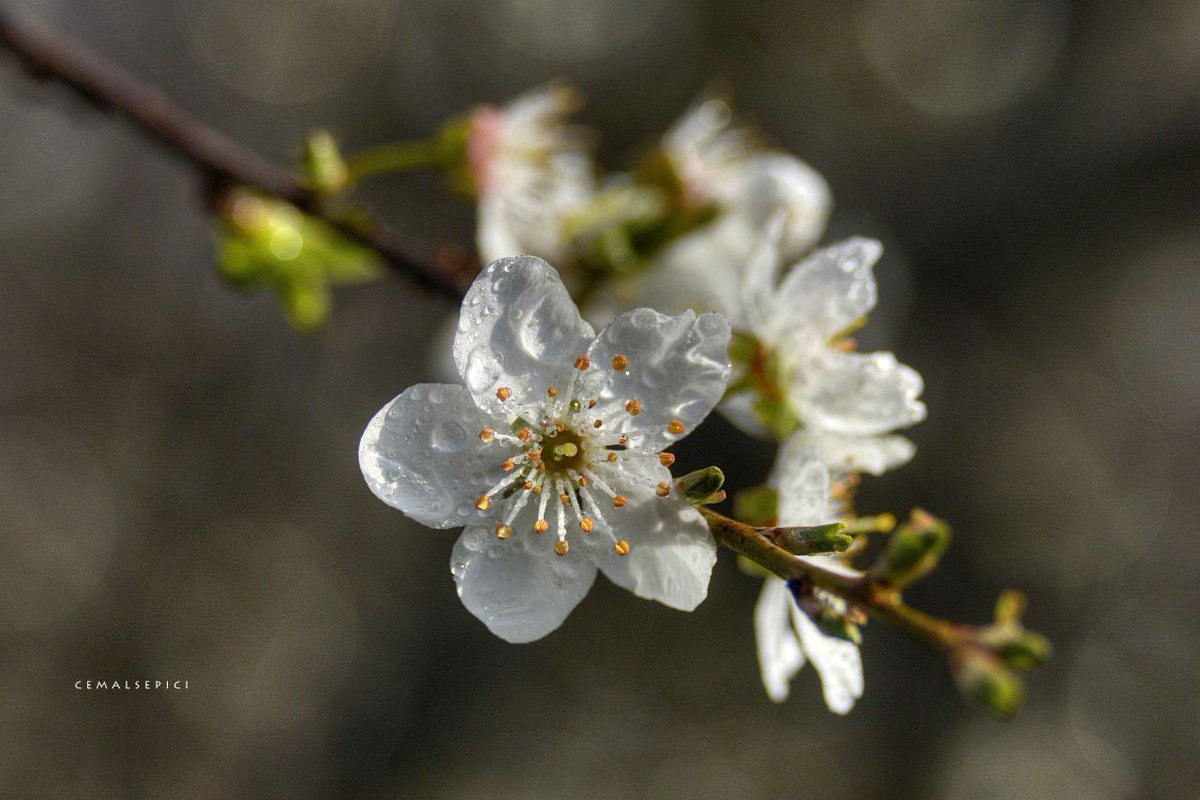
221, 160
877, 599
395, 157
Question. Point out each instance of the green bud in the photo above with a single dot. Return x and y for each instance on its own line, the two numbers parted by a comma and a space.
984, 679
702, 486
812, 540
1018, 648
322, 165
913, 551
1010, 606
268, 243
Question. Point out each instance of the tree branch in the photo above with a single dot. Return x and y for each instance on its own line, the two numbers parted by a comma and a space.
223, 162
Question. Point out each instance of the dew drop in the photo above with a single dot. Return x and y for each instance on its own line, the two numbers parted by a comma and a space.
447, 436
482, 370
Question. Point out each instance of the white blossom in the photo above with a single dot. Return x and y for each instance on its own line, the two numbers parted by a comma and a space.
552, 454
531, 171
722, 164
786, 636
798, 321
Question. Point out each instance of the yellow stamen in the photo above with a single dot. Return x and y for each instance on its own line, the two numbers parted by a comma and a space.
508, 465
504, 531
552, 392
537, 489
598, 423
565, 498
611, 457
675, 427
561, 547
666, 459
582, 363
621, 548
619, 501
663, 489
583, 481
591, 403
586, 524
633, 407
487, 435
541, 526
524, 434
503, 393
620, 363
483, 503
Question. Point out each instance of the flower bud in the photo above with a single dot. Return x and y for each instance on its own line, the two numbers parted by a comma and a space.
812, 540
702, 486
983, 678
913, 550
322, 165
1018, 648
1010, 606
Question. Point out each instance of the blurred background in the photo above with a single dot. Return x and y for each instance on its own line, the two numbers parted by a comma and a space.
179, 491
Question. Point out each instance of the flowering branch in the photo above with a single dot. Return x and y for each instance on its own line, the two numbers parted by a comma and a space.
223, 162
884, 601
983, 659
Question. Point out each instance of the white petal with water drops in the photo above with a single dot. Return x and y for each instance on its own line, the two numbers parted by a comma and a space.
422, 454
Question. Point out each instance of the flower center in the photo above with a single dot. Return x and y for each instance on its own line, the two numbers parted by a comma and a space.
563, 453
568, 461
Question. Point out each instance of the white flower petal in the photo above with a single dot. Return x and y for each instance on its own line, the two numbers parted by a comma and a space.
697, 270
803, 483
677, 370
874, 455
765, 183
862, 394
422, 454
760, 276
826, 293
518, 587
779, 655
672, 551
836, 660
519, 329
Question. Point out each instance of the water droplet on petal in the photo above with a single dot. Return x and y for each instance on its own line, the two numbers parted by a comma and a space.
447, 436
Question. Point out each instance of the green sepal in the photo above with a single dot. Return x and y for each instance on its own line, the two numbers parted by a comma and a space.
702, 486
835, 625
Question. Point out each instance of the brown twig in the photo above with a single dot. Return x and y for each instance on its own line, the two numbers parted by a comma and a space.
223, 162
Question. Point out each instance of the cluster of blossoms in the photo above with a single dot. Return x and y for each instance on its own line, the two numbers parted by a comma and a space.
553, 452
